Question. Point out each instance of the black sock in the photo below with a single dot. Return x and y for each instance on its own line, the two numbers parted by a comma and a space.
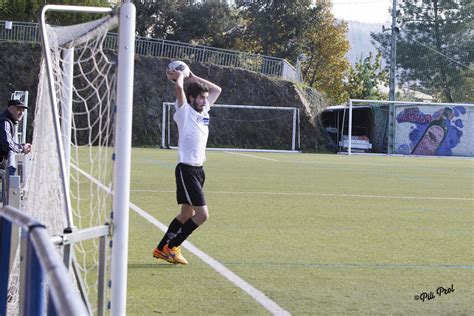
186, 230
173, 229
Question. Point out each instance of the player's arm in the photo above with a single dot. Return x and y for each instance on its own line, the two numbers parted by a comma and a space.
214, 90
178, 77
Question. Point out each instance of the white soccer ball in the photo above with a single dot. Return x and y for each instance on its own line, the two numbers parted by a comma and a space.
178, 65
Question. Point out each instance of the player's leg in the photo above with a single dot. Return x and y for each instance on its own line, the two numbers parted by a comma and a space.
187, 211
189, 181
200, 216
173, 247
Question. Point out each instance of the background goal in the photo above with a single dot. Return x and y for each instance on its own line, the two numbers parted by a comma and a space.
407, 128
242, 128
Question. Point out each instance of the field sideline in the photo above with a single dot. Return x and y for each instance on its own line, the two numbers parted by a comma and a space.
316, 234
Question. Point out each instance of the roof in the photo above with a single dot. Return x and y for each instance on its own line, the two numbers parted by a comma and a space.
341, 107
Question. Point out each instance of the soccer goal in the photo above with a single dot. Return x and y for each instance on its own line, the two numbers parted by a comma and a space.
242, 128
408, 128
78, 182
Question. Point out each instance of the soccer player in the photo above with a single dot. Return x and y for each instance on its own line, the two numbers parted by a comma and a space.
192, 118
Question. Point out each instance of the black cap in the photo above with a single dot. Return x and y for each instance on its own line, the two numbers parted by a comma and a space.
17, 103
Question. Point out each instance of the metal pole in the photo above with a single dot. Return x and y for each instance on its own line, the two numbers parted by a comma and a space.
34, 296
393, 52
57, 131
393, 69
14, 200
349, 132
66, 108
299, 130
101, 288
121, 198
5, 238
25, 120
168, 117
163, 126
293, 131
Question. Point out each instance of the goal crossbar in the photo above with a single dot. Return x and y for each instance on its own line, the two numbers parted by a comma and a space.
295, 127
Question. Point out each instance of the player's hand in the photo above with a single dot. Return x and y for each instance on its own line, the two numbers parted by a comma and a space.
173, 75
192, 77
26, 148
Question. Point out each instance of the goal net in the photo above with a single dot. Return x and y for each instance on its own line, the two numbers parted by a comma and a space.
81, 136
408, 128
242, 128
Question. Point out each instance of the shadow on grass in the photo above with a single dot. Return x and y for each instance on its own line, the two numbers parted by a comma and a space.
158, 265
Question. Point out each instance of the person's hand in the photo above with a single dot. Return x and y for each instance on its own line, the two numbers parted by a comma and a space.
26, 148
173, 75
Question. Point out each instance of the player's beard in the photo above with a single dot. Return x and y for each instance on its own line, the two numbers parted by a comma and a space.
196, 107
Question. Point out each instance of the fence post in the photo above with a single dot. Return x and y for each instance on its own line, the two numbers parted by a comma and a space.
34, 291
5, 237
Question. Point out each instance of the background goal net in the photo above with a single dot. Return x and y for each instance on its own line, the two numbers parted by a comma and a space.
242, 128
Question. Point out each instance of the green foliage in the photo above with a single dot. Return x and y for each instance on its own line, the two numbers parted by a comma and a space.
20, 10
364, 78
275, 27
157, 18
324, 42
434, 49
29, 11
178, 20
283, 29
288, 28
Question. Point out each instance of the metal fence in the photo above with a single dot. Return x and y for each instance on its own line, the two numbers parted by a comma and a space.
271, 66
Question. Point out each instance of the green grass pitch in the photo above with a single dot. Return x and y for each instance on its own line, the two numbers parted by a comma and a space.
317, 234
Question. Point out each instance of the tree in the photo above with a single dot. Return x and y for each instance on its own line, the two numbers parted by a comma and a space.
179, 20
205, 23
274, 27
324, 42
20, 10
29, 11
365, 77
434, 49
157, 18
288, 28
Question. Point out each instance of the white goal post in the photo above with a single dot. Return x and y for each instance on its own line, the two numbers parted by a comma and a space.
408, 128
242, 128
79, 180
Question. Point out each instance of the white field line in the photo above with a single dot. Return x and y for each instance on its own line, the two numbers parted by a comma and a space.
256, 294
362, 196
251, 156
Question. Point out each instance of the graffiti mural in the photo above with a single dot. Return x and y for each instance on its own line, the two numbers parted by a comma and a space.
434, 130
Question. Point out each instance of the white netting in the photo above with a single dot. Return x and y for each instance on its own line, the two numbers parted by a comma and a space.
90, 146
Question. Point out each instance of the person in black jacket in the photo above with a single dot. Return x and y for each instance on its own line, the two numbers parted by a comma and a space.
8, 121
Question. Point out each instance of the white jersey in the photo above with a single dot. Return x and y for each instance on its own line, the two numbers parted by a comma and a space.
193, 129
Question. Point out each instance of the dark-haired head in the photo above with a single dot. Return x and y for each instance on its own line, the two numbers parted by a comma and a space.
194, 89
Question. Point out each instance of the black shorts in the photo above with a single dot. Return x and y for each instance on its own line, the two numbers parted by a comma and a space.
189, 184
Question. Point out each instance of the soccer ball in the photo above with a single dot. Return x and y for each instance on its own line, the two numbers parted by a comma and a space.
178, 65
